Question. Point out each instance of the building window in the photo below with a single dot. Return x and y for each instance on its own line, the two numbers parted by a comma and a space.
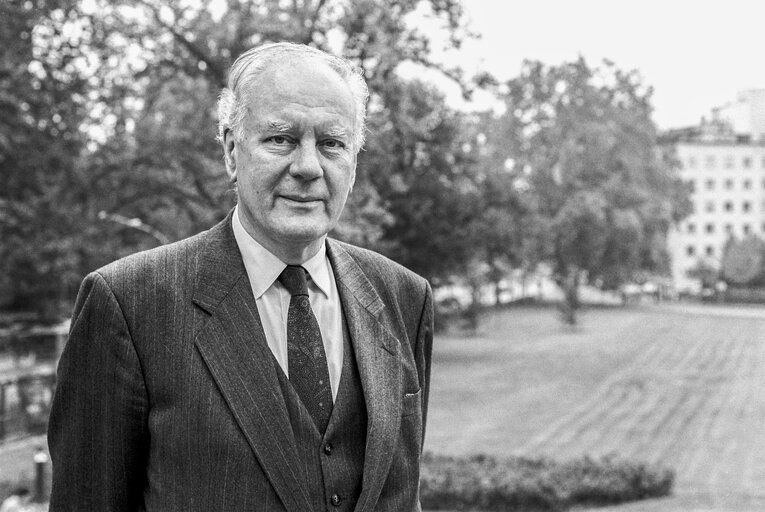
746, 162
728, 206
710, 184
710, 162
746, 228
691, 227
690, 250
728, 184
746, 206
691, 162
709, 228
747, 184
729, 162
729, 228
709, 207
710, 250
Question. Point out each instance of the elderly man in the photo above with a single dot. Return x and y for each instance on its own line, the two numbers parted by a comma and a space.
260, 365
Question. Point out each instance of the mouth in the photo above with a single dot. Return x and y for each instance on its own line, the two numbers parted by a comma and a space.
300, 198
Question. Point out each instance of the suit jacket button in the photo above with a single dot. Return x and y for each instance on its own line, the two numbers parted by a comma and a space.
328, 449
335, 500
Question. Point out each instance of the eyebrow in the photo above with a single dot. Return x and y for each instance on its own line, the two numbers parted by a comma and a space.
277, 126
337, 132
281, 126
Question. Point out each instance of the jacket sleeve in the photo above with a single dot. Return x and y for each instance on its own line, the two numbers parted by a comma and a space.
423, 352
97, 432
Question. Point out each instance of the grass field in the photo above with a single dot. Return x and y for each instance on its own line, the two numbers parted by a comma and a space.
681, 386
676, 387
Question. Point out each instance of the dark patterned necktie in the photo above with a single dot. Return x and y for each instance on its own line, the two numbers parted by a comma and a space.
307, 361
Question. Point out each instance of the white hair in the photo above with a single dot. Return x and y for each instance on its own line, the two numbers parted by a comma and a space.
232, 105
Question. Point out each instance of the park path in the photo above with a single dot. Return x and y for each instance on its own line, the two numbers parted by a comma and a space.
693, 400
16, 458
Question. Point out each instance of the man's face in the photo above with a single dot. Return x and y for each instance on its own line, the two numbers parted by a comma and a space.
296, 164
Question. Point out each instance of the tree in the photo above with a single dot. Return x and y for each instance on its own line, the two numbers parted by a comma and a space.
162, 63
41, 106
417, 164
588, 149
706, 273
509, 234
122, 99
743, 261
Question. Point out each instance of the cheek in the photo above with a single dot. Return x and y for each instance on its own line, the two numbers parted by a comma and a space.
344, 174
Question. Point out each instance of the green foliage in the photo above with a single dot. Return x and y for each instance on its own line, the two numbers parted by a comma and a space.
484, 483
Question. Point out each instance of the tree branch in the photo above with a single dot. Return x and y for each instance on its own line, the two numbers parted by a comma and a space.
312, 22
213, 68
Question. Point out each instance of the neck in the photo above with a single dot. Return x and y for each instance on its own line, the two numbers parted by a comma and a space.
290, 252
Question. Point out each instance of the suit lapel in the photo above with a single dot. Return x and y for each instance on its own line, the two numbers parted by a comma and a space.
233, 345
377, 358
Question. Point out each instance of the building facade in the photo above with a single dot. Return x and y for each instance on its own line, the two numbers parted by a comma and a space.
723, 161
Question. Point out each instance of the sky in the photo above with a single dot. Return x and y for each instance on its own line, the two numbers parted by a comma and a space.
696, 54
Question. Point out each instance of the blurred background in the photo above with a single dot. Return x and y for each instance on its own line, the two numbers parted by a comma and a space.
583, 183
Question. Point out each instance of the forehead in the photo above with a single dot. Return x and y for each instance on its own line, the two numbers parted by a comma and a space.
301, 90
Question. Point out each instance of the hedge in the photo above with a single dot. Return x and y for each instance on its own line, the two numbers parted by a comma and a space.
488, 484
484, 483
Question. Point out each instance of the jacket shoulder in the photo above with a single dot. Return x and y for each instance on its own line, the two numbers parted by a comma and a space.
381, 268
157, 256
172, 262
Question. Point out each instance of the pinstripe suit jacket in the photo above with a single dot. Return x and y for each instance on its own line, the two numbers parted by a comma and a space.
167, 397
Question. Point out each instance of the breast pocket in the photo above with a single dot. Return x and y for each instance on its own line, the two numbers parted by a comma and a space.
412, 403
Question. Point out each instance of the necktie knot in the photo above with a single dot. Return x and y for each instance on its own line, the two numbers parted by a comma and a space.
293, 278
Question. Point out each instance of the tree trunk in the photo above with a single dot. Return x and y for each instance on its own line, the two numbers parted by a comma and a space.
570, 304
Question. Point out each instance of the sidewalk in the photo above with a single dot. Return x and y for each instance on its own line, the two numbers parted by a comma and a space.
726, 310
16, 458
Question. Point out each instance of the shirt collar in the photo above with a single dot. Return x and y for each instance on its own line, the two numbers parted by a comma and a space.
263, 267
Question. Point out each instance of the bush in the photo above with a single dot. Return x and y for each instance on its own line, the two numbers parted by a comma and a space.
485, 483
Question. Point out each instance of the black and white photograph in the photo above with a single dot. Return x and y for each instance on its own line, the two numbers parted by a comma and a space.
382, 256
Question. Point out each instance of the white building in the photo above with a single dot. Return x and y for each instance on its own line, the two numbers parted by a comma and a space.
724, 161
746, 115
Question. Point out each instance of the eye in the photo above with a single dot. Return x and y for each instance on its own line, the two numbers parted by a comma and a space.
333, 144
279, 140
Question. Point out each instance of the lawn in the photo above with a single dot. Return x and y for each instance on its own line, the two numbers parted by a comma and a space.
659, 385
685, 390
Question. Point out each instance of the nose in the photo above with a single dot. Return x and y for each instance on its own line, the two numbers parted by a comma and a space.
306, 164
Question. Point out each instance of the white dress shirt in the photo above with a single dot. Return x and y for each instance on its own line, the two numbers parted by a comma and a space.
273, 300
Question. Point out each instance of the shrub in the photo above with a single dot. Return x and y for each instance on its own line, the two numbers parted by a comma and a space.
481, 482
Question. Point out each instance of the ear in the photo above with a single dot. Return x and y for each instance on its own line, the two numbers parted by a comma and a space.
353, 173
229, 154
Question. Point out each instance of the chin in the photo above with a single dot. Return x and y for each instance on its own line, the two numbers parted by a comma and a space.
304, 232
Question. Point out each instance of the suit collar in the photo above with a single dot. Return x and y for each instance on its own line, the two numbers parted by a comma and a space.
352, 277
